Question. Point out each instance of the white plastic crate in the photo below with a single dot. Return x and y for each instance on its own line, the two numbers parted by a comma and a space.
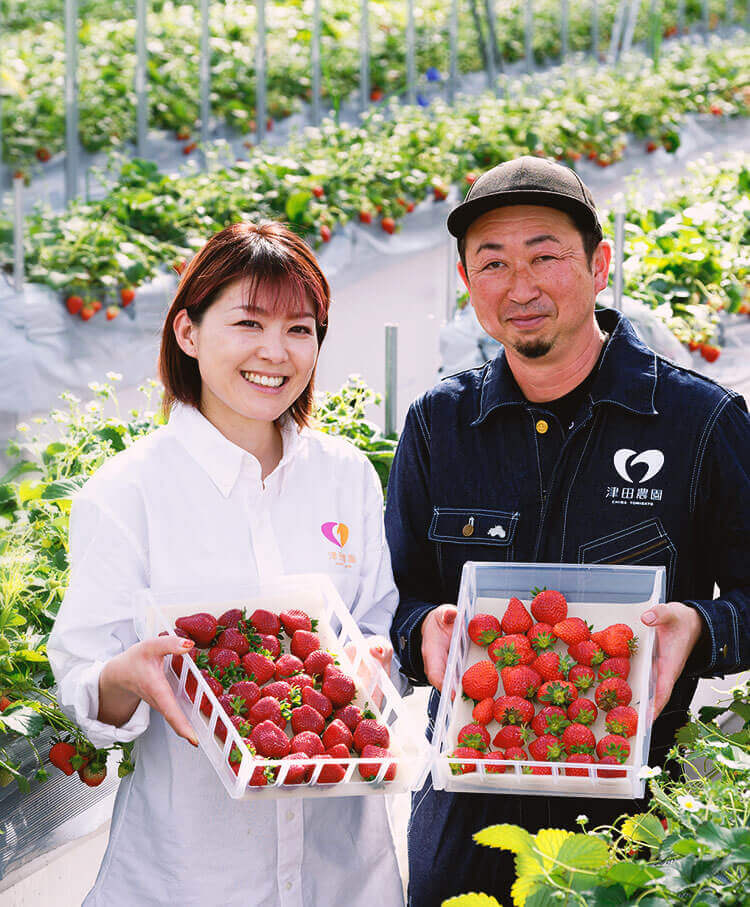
317, 596
601, 595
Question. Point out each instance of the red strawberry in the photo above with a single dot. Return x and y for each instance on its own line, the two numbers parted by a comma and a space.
516, 754
582, 676
516, 618
307, 742
351, 715
74, 304
480, 680
376, 94
611, 692
550, 720
331, 774
200, 627
216, 688
43, 155
546, 748
549, 606
112, 312
318, 191
60, 756
370, 770
242, 725
220, 659
306, 718
495, 769
541, 636
267, 709
94, 773
4, 703
317, 661
484, 711
622, 720
586, 652
583, 711
464, 752
258, 667
483, 629
337, 732
304, 643
317, 700
231, 618
279, 689
191, 687
511, 735
301, 680
572, 630
610, 773
370, 731
388, 224
709, 352
338, 688
365, 217
265, 622
614, 667
297, 774
271, 644
651, 146
127, 295
557, 692
577, 738
295, 619
231, 638
579, 757
87, 312
287, 666
513, 710
547, 665
520, 680
617, 639
538, 770
511, 650
475, 735
613, 745
269, 740
325, 232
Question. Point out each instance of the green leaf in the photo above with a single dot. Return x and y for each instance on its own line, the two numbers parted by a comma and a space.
19, 469
722, 838
22, 720
644, 828
707, 713
506, 837
472, 900
30, 490
113, 436
543, 896
296, 204
685, 846
584, 852
632, 876
64, 488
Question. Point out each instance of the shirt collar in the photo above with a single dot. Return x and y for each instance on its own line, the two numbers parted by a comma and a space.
626, 375
219, 457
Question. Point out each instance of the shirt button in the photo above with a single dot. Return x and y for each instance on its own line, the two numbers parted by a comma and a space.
541, 427
288, 886
289, 815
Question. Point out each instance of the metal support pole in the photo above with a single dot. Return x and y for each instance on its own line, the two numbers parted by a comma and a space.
315, 54
595, 29
205, 75
364, 55
619, 279
632, 18
260, 71
391, 377
614, 41
453, 42
491, 46
411, 55
529, 35
564, 19
706, 17
141, 91
18, 233
71, 99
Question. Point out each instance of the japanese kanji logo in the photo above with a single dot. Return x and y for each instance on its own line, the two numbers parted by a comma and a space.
338, 533
626, 462
653, 460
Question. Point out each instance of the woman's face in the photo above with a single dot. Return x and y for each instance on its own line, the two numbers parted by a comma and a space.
253, 362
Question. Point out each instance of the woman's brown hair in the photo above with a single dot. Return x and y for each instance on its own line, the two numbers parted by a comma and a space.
263, 254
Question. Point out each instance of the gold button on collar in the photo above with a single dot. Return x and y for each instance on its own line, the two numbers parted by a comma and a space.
541, 427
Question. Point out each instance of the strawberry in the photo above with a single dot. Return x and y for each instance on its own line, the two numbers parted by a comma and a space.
547, 665
351, 715
651, 146
295, 619
370, 731
43, 155
4, 703
475, 735
371, 770
74, 304
611, 692
179, 265
331, 774
538, 770
586, 652
61, 754
94, 773
318, 191
231, 618
190, 147
297, 774
495, 769
516, 618
266, 709
470, 178
265, 622
546, 748
317, 700
520, 680
339, 688
278, 689
550, 720
127, 295
511, 735
483, 629
709, 352
376, 95
216, 688
306, 718
610, 773
577, 738
541, 636
582, 676
182, 134
480, 680
572, 630
548, 606
483, 712
243, 727
287, 666
307, 742
511, 650
220, 659
557, 692
617, 639
464, 752
513, 710
269, 740
304, 643
258, 667
579, 757
614, 667
365, 217
270, 643
583, 711
613, 745
301, 680
87, 313
96, 305
231, 638
388, 224
439, 192
337, 732
516, 754
200, 627
622, 720
325, 232
317, 661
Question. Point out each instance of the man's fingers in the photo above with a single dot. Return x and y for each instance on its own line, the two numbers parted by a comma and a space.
447, 617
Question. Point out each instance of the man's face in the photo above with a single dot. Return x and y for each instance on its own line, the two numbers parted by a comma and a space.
529, 281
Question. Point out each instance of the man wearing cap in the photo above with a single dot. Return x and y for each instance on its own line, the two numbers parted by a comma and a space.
576, 444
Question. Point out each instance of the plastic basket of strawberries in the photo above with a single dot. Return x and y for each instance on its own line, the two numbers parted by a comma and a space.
282, 693
548, 689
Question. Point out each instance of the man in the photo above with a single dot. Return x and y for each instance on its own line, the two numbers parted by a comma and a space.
584, 446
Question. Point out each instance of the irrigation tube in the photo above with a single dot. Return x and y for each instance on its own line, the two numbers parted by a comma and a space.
71, 99
391, 377
141, 90
260, 71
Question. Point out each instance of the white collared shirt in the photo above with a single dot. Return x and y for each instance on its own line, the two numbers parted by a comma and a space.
185, 506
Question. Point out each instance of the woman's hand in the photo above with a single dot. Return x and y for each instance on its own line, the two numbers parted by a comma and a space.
138, 674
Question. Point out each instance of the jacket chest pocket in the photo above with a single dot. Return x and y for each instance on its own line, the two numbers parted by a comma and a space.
464, 534
645, 543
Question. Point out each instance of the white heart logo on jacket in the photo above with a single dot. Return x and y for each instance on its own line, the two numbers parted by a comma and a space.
654, 460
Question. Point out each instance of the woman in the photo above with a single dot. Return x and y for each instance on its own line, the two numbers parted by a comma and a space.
235, 488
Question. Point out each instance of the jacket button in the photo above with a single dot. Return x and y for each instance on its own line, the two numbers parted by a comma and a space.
541, 427
402, 640
724, 650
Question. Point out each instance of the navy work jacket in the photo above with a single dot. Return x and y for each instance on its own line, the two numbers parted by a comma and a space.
654, 469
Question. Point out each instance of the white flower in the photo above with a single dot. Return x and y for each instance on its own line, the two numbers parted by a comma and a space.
648, 772
58, 416
114, 376
690, 804
22, 427
95, 386
582, 819
93, 407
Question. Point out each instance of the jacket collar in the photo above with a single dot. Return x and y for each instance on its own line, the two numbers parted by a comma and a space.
626, 375
219, 457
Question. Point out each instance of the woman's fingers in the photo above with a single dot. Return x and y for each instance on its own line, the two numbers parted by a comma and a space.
163, 700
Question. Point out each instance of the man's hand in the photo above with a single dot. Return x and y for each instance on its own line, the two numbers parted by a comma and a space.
437, 629
678, 628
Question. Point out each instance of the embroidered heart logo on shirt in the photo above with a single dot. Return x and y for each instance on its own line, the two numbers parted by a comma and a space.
335, 532
654, 460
